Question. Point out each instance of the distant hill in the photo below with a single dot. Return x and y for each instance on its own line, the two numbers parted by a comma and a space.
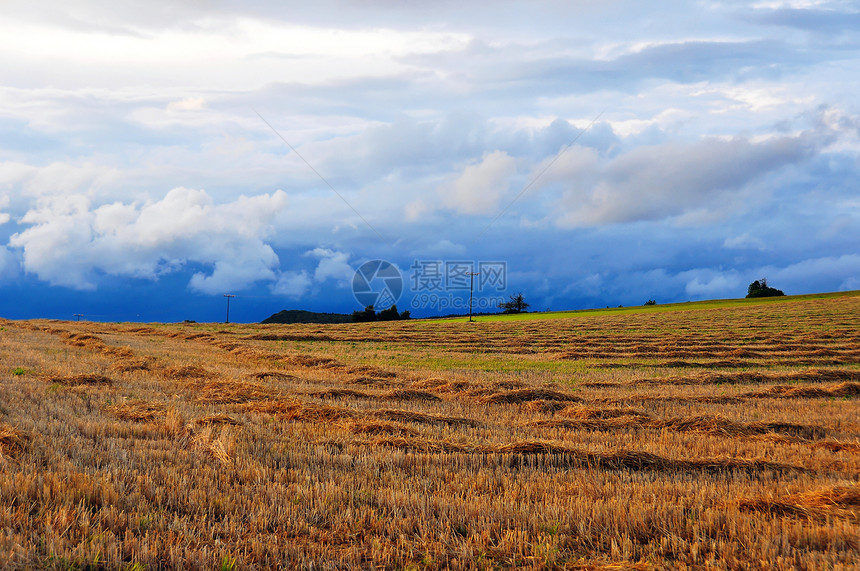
301, 316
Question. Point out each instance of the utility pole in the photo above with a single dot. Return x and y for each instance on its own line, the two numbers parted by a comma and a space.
228, 296
471, 288
78, 316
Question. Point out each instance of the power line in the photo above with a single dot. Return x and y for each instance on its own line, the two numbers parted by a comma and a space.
316, 172
541, 173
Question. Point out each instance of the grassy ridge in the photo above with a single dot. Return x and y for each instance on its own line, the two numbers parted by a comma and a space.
684, 306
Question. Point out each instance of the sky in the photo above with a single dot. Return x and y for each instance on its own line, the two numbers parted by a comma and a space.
156, 155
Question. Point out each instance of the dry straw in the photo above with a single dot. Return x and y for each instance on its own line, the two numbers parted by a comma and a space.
409, 395
364, 426
232, 392
79, 380
847, 389
219, 418
838, 501
13, 441
137, 410
180, 372
526, 395
401, 415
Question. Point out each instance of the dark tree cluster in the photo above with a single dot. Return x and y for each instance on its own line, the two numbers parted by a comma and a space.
759, 288
301, 316
370, 314
517, 304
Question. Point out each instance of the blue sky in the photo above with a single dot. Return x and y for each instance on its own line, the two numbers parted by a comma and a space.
608, 153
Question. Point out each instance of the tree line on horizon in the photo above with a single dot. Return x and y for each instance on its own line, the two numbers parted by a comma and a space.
516, 304
370, 314
759, 288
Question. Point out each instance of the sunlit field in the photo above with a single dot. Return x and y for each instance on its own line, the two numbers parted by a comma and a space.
707, 436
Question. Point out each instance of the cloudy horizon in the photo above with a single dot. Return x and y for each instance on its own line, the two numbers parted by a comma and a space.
158, 155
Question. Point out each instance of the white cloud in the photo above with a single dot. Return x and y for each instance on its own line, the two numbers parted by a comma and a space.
480, 186
237, 272
712, 284
332, 265
444, 248
793, 4
815, 274
663, 181
415, 210
745, 241
58, 245
292, 284
187, 104
58, 178
68, 242
4, 216
219, 52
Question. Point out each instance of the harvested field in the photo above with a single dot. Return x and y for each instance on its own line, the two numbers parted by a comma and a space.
12, 441
422, 418
711, 424
137, 410
232, 392
207, 441
127, 365
186, 372
790, 392
301, 411
219, 418
78, 380
722, 436
838, 501
589, 412
758, 377
341, 393
526, 395
377, 427
275, 375
408, 394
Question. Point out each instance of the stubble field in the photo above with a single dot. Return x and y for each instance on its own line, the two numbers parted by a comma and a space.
722, 436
